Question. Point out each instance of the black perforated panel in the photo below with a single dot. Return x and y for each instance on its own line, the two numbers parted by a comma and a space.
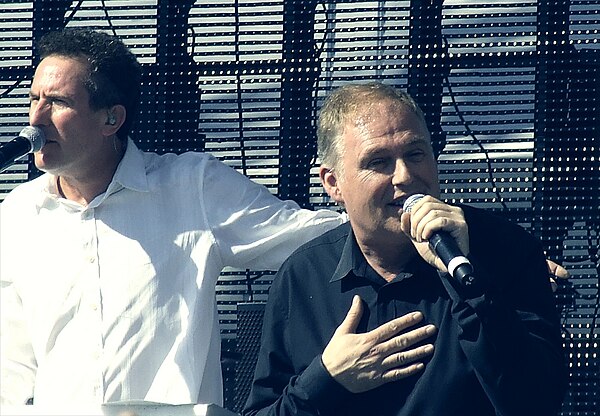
510, 90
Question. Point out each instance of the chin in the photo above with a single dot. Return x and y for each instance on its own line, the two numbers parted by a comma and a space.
44, 166
47, 159
393, 227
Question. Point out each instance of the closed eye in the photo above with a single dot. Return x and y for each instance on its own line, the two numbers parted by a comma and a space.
57, 101
416, 156
377, 163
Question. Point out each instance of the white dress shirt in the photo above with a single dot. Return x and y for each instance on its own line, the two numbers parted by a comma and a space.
116, 300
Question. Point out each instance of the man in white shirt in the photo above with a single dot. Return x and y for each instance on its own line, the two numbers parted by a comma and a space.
109, 261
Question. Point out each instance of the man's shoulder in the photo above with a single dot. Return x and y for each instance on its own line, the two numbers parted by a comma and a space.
184, 171
155, 160
322, 250
491, 221
312, 264
490, 231
332, 239
27, 191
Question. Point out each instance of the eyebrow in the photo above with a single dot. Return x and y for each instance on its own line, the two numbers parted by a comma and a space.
413, 141
51, 95
418, 140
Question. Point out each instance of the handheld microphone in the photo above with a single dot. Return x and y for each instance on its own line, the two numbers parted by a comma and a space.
31, 139
444, 245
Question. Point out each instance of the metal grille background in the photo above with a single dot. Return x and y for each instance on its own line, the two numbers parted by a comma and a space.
511, 92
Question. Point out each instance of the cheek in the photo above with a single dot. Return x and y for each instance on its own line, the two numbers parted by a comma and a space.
375, 185
432, 180
75, 128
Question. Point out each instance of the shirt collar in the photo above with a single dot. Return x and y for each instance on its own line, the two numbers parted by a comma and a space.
351, 259
353, 262
130, 173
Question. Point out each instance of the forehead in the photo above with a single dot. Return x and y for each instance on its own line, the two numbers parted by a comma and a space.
384, 122
59, 73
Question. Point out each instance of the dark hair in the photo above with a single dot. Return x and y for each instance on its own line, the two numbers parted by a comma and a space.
114, 75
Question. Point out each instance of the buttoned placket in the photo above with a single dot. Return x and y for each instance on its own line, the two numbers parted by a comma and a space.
388, 306
92, 301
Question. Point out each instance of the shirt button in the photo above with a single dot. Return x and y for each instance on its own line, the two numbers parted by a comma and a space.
92, 259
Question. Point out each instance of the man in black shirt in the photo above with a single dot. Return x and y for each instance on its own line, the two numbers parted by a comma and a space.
366, 320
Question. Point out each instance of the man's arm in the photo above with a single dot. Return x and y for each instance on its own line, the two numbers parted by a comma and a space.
17, 361
254, 229
517, 351
510, 328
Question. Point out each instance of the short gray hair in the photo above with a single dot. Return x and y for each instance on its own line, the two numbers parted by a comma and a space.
346, 102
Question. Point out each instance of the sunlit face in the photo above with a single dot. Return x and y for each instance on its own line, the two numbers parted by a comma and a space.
387, 157
60, 106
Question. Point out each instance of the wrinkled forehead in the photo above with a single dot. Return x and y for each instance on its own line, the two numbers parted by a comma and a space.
373, 112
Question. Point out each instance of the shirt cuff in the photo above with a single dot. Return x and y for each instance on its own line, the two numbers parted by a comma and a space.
321, 389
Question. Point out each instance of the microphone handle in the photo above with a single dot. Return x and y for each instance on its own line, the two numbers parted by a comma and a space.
459, 267
13, 150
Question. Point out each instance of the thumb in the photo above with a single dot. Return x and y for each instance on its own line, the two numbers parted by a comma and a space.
352, 319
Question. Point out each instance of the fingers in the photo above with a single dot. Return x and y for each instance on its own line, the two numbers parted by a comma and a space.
352, 319
399, 359
556, 271
363, 361
407, 355
430, 215
399, 355
392, 328
406, 363
406, 340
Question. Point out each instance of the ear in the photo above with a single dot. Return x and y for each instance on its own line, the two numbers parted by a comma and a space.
115, 117
331, 184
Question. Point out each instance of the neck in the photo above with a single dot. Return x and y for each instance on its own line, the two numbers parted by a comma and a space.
83, 188
388, 260
82, 192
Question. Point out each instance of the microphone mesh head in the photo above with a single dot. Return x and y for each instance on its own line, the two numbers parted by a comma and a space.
410, 201
35, 135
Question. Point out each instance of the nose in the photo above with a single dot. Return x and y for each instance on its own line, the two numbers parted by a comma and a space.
39, 114
401, 175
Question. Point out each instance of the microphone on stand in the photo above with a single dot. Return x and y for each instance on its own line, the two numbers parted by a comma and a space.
445, 246
30, 139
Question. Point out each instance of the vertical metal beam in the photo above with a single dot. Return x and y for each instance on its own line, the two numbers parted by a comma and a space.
428, 65
298, 140
170, 103
48, 16
550, 119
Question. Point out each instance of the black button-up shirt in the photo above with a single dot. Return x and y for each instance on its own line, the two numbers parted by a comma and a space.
497, 351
